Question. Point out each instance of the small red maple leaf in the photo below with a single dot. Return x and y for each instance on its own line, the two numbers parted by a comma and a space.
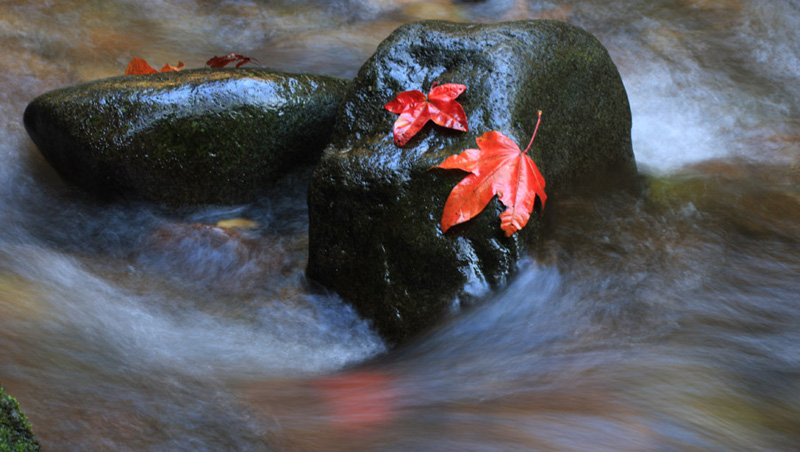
139, 66
222, 61
497, 168
415, 109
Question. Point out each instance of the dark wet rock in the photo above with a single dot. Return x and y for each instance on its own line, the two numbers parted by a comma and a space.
15, 430
374, 208
188, 137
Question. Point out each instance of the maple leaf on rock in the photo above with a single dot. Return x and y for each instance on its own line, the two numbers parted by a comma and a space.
499, 168
415, 110
222, 61
139, 66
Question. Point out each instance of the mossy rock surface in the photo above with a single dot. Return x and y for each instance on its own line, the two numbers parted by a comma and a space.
188, 137
15, 430
375, 208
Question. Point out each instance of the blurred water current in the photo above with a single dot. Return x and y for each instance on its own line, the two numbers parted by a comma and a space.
663, 321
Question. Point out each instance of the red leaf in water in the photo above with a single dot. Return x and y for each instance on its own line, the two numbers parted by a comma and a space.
497, 168
139, 66
222, 61
360, 401
415, 110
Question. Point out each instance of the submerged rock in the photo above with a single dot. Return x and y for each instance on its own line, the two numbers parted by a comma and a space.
188, 137
374, 208
218, 257
15, 431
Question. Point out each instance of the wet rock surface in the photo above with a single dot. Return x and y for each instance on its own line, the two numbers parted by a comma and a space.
188, 137
374, 208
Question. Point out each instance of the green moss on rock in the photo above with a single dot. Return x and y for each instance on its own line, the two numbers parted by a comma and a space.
15, 430
374, 208
188, 137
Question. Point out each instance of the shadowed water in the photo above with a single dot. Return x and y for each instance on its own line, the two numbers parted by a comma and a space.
662, 320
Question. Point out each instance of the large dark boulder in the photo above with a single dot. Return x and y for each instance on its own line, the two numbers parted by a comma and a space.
188, 137
375, 208
15, 430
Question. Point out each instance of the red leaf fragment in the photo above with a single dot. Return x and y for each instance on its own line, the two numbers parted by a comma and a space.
139, 66
222, 61
499, 168
169, 68
415, 109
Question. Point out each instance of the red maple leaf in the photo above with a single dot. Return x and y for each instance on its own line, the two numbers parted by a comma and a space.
497, 168
415, 110
222, 61
139, 66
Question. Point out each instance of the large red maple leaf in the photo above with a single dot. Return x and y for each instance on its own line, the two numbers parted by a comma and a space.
499, 168
415, 110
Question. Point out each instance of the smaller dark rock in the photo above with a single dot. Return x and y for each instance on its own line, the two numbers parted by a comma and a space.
188, 137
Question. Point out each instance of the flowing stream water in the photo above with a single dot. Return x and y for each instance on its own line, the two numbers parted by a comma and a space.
668, 320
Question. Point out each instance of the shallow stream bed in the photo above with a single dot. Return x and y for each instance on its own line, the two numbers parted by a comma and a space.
663, 321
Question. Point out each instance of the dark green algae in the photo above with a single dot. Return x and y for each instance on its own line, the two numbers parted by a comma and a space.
188, 137
375, 208
15, 430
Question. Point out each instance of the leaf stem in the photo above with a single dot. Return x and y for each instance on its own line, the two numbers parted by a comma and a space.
538, 121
